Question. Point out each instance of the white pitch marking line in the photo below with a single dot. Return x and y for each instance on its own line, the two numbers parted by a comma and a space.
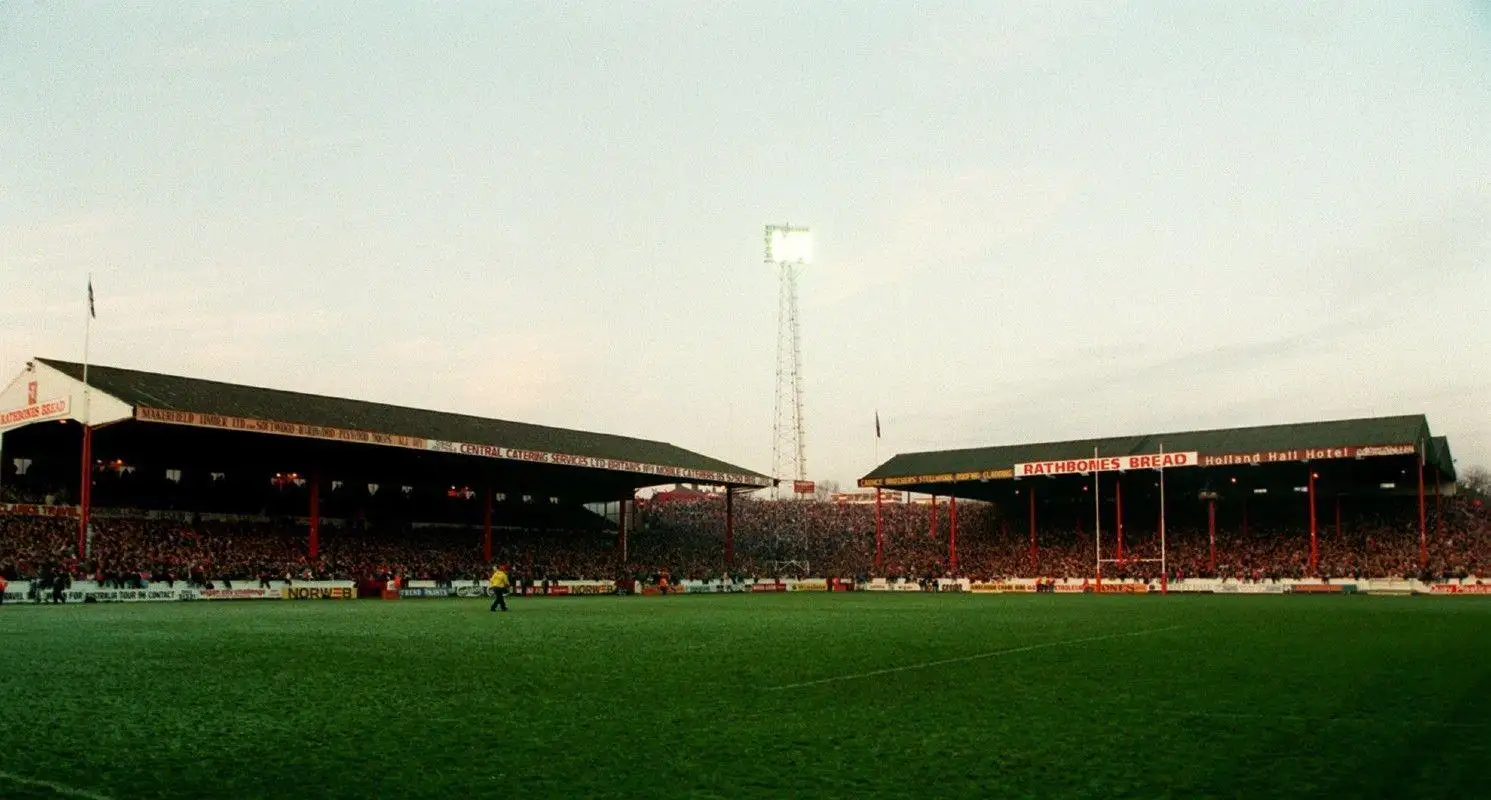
62, 789
1433, 723
976, 657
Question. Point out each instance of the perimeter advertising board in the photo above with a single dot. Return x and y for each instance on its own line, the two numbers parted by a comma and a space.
20, 592
567, 588
998, 587
1483, 589
1252, 588
593, 587
162, 594
1323, 588
442, 591
319, 592
254, 593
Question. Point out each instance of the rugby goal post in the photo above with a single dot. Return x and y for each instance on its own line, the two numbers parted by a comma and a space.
785, 567
1097, 527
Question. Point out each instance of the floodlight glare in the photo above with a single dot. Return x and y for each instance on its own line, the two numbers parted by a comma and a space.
788, 245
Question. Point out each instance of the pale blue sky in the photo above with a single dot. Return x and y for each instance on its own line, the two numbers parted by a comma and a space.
1033, 221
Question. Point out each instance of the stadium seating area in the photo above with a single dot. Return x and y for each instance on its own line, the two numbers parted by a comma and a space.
772, 539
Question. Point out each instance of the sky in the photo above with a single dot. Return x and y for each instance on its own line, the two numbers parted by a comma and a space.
1032, 221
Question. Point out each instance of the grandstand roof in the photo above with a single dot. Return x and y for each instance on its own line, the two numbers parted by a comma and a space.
1439, 455
171, 399
1354, 438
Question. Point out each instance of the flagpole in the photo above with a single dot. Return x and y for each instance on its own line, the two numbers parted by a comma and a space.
87, 338
85, 485
1097, 514
880, 534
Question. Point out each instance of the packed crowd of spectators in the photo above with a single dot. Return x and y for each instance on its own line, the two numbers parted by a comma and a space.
839, 540
685, 539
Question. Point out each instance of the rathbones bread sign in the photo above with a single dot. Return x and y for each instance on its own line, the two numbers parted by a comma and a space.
34, 411
1073, 466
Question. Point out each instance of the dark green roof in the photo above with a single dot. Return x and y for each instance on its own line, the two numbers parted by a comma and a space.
1440, 458
173, 393
984, 461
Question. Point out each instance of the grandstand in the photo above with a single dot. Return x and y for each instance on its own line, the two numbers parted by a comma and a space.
1235, 475
205, 482
163, 443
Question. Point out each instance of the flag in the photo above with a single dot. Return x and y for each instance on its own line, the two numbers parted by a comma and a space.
91, 313
877, 424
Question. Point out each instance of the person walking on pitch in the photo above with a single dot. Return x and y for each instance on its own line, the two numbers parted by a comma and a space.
498, 585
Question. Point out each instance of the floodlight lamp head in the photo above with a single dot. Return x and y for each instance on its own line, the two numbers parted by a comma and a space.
787, 244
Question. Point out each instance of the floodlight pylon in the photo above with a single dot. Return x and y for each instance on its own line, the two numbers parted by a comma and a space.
786, 251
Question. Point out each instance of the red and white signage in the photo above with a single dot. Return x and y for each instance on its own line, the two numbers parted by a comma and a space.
593, 462
35, 510
804, 487
238, 594
1461, 588
194, 419
148, 414
1305, 454
1078, 466
34, 411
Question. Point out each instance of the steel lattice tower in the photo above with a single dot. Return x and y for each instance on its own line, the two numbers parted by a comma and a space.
787, 249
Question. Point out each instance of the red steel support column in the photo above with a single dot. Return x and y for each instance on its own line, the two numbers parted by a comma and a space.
1211, 535
1338, 517
85, 493
1438, 512
932, 531
1245, 516
1314, 547
879, 535
1034, 560
1118, 502
952, 534
1097, 525
486, 526
729, 526
1159, 523
621, 523
315, 548
1423, 524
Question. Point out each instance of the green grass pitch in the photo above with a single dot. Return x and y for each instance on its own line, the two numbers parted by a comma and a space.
751, 696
